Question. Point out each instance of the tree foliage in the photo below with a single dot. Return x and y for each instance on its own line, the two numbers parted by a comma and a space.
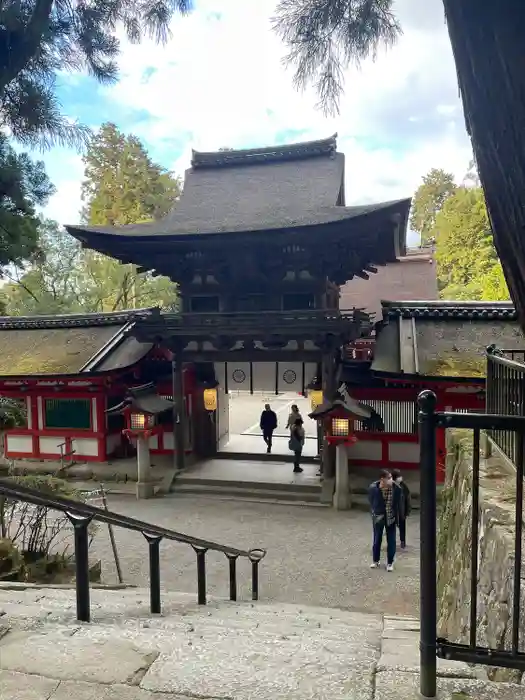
67, 279
122, 185
24, 186
467, 263
428, 201
40, 38
324, 36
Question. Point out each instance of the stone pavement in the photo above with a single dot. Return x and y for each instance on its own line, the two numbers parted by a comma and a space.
316, 556
224, 651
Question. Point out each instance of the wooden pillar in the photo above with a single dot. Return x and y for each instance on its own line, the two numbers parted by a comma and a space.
329, 393
179, 414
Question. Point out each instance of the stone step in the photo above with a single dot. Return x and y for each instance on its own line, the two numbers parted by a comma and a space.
246, 493
242, 651
291, 486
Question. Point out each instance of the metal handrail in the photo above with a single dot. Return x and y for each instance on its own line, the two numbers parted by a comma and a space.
81, 514
507, 362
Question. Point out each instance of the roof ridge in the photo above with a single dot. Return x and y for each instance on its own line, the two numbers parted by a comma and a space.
107, 318
264, 154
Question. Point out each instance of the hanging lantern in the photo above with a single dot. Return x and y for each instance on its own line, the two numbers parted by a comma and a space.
316, 399
210, 399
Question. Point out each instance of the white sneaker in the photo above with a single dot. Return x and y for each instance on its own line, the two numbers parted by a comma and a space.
390, 567
375, 565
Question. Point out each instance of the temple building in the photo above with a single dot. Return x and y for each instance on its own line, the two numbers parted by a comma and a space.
282, 288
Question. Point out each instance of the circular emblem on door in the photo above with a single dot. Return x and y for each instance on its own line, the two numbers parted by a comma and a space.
289, 376
239, 376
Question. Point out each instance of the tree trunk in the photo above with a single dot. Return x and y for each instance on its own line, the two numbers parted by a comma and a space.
488, 43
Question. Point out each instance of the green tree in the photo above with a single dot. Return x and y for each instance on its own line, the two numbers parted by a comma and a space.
428, 200
41, 38
24, 186
53, 283
66, 279
122, 185
467, 263
324, 36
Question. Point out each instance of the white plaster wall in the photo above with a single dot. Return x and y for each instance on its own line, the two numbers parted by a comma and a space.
85, 447
19, 443
403, 452
293, 372
168, 441
154, 442
112, 442
94, 417
264, 377
365, 449
241, 372
50, 445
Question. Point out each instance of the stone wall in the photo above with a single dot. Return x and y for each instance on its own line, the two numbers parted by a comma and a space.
463, 339
496, 552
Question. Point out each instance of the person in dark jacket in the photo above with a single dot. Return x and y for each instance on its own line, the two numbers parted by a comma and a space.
405, 507
385, 504
268, 424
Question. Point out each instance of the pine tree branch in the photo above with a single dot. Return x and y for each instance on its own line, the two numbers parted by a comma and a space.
19, 51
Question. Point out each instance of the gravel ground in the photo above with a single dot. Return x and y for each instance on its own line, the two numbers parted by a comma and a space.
316, 556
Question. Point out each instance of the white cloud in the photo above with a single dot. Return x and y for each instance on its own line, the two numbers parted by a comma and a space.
65, 171
222, 83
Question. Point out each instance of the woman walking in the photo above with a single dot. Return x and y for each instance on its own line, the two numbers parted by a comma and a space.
296, 443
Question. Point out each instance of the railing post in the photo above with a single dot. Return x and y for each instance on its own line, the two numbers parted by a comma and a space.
154, 571
201, 575
255, 557
428, 553
232, 565
80, 524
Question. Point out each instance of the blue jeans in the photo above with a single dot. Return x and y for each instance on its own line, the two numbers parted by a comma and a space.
390, 542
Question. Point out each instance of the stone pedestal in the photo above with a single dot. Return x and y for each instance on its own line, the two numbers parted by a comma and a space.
144, 483
342, 497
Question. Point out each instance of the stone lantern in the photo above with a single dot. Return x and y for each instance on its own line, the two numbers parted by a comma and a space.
337, 418
141, 409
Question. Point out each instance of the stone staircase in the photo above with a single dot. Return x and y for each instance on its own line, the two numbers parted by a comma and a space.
223, 651
296, 493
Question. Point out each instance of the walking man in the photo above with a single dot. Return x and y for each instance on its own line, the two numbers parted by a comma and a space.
405, 506
268, 424
385, 503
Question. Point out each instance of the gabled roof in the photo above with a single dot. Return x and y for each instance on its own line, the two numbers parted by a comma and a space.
68, 344
481, 310
143, 398
271, 188
436, 338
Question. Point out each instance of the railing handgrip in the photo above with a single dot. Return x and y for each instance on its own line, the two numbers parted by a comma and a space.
81, 524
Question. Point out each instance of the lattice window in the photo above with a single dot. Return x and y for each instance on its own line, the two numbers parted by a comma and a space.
396, 417
68, 413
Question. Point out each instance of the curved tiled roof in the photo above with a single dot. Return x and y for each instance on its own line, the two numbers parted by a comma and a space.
68, 344
480, 310
270, 188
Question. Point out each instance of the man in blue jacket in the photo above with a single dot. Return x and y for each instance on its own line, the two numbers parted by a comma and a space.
385, 503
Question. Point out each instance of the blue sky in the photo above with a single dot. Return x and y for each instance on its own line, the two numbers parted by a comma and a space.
220, 82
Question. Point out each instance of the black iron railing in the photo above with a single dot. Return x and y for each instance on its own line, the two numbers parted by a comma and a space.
82, 514
432, 647
505, 394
